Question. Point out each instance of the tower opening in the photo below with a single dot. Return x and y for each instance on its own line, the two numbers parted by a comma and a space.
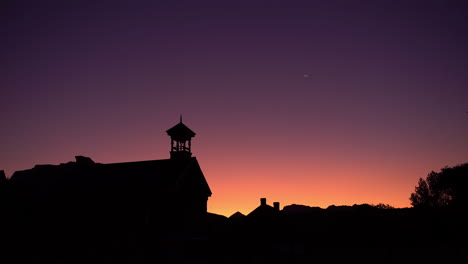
181, 141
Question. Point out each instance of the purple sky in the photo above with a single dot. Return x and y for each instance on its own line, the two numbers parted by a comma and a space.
370, 92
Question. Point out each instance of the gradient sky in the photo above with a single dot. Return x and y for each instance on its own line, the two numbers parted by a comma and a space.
306, 102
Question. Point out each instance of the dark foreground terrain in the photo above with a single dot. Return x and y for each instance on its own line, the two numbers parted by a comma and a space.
55, 220
297, 234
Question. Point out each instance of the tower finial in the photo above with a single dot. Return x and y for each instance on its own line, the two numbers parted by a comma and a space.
180, 119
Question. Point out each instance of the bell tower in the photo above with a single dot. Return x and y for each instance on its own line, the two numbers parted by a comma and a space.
181, 137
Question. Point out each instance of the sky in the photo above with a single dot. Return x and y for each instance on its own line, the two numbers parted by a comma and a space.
301, 102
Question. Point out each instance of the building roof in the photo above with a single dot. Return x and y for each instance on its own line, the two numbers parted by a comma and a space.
155, 176
264, 210
237, 215
180, 131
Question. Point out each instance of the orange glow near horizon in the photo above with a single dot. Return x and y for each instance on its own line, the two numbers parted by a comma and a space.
334, 188
238, 178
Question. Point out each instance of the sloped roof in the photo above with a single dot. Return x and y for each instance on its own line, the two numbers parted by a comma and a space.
237, 215
180, 131
166, 176
263, 210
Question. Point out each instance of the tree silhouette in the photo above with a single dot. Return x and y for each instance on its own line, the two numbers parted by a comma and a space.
447, 188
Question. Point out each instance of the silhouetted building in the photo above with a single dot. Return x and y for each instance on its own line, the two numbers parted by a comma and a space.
265, 210
146, 190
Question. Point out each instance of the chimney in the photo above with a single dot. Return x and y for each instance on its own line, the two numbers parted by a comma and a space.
262, 201
276, 205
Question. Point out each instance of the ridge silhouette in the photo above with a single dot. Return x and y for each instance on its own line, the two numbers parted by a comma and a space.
156, 212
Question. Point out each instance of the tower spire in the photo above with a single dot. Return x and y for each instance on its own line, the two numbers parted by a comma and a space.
181, 140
